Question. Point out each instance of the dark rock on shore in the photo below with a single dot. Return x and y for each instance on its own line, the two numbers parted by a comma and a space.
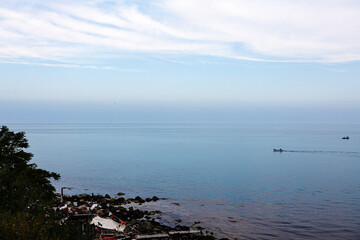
138, 222
139, 200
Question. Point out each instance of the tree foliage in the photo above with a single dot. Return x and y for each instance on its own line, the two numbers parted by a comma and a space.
27, 195
23, 185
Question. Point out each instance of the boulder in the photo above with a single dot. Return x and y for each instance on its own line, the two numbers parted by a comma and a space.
139, 200
144, 227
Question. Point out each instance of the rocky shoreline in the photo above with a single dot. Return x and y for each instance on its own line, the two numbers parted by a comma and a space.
139, 224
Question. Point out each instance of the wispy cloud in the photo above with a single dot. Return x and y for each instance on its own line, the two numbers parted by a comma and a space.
258, 30
67, 65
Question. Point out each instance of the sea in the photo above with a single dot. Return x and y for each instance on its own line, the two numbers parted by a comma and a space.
225, 175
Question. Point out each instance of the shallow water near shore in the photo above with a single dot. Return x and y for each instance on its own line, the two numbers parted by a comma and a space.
224, 175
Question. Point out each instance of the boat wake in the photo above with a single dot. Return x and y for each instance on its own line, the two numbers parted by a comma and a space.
354, 154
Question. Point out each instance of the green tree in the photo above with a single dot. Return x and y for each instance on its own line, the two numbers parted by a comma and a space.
27, 195
23, 185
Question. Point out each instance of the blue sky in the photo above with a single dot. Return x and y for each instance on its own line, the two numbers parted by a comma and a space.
61, 59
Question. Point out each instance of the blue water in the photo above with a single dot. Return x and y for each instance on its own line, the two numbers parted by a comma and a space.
225, 175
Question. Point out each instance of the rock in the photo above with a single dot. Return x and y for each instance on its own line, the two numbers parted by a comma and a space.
157, 229
84, 196
120, 194
155, 198
182, 228
137, 214
98, 196
139, 199
123, 216
120, 201
144, 227
107, 196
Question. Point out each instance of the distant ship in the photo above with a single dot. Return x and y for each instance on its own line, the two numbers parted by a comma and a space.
278, 150
347, 137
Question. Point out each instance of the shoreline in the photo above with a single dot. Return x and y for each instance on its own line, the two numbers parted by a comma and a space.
140, 224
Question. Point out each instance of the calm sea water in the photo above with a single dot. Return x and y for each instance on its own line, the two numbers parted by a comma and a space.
225, 175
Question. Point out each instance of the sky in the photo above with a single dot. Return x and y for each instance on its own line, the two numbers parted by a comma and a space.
169, 60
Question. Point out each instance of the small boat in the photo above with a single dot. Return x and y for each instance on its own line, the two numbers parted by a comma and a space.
347, 137
278, 150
